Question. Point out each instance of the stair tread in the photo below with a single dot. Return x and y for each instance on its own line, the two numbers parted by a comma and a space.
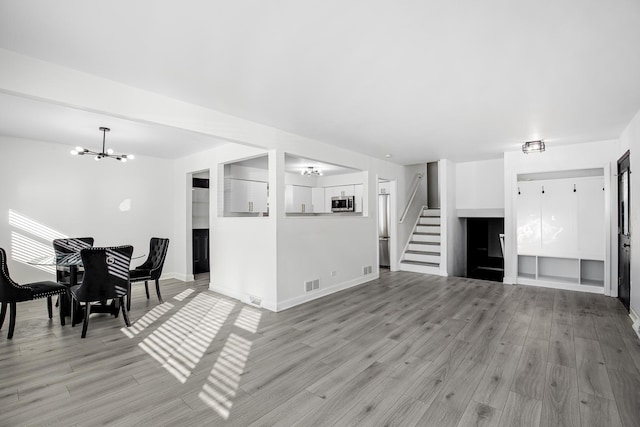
422, 253
426, 234
420, 242
426, 264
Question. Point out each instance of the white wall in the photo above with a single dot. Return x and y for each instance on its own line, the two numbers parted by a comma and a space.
452, 230
630, 140
603, 154
116, 203
249, 256
480, 185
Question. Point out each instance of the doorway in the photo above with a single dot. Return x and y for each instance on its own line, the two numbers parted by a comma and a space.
200, 224
624, 232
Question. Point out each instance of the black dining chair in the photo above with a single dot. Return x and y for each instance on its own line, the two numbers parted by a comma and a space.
151, 269
12, 293
106, 277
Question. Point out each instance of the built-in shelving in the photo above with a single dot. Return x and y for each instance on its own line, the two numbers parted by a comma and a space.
562, 230
577, 274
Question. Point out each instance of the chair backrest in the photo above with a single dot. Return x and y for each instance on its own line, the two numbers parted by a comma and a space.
106, 273
71, 245
10, 291
157, 253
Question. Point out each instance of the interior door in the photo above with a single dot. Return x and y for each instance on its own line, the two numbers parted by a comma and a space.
624, 233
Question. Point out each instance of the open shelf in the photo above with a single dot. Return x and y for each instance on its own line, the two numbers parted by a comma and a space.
568, 273
592, 272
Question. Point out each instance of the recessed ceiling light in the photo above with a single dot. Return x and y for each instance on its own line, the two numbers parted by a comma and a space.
387, 155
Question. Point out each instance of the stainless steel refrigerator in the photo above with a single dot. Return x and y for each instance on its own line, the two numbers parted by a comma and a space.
383, 229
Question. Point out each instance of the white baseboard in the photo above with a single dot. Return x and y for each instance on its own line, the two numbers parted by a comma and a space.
508, 280
292, 302
178, 276
636, 322
561, 285
241, 296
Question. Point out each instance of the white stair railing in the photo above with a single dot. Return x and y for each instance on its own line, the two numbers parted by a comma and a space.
416, 184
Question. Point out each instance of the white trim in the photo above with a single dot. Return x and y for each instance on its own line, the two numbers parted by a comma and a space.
561, 285
636, 321
178, 276
283, 305
240, 296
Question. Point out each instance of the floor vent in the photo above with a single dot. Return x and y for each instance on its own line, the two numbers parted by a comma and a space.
255, 301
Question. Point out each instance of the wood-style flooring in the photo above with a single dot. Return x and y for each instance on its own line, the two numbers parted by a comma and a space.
406, 349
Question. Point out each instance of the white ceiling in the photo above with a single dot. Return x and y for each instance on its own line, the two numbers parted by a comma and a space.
295, 164
31, 119
422, 80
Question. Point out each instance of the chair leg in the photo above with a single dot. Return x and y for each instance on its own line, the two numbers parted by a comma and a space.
50, 307
72, 303
146, 288
61, 311
125, 314
12, 319
158, 291
58, 301
87, 310
129, 297
3, 313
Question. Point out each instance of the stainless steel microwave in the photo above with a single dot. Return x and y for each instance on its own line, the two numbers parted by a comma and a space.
343, 204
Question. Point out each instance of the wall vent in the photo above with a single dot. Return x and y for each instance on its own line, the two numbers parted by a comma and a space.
367, 270
311, 285
255, 301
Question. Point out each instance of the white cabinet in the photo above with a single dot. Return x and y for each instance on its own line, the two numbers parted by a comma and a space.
559, 214
528, 218
358, 191
591, 240
298, 199
246, 196
317, 199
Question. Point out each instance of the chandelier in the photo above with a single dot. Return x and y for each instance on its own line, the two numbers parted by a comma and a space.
311, 171
79, 151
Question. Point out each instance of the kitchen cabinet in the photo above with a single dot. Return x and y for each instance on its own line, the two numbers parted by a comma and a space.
317, 200
358, 191
246, 196
298, 199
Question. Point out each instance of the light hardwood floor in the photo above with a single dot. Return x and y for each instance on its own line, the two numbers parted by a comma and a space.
407, 349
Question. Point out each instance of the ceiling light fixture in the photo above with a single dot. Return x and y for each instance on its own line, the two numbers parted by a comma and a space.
533, 147
310, 170
79, 151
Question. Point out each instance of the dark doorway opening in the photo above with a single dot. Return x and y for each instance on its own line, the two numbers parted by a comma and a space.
624, 231
485, 258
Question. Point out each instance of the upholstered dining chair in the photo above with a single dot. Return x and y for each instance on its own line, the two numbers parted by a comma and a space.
12, 293
151, 269
106, 277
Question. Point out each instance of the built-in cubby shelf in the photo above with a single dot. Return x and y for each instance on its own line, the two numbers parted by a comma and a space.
585, 274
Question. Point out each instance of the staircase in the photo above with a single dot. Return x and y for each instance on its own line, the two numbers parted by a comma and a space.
423, 251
